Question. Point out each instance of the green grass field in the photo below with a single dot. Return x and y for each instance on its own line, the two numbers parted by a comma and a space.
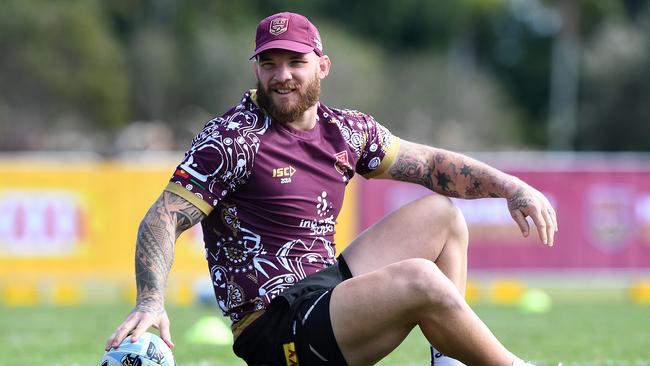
576, 334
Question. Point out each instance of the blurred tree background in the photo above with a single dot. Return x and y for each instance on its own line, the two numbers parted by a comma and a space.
118, 75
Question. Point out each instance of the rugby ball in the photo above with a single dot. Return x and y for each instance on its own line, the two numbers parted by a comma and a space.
149, 350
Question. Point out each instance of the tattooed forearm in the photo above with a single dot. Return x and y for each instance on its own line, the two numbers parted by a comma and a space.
439, 171
169, 216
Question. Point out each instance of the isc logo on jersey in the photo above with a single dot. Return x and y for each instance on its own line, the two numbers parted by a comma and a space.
284, 174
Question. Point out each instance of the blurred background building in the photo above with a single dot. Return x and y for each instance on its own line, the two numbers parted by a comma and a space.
98, 100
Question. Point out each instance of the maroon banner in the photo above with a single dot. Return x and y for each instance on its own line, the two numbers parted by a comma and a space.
603, 217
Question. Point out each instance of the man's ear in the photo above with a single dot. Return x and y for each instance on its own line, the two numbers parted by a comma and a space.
324, 64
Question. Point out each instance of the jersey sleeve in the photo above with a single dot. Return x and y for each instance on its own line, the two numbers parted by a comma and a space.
379, 149
218, 161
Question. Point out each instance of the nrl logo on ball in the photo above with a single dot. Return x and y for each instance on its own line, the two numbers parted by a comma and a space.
278, 26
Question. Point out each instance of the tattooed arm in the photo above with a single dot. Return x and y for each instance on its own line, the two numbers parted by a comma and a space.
167, 218
456, 175
449, 173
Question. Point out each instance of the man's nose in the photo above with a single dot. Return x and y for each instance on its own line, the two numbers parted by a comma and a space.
282, 73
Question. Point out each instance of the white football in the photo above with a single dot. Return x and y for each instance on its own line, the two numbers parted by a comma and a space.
149, 350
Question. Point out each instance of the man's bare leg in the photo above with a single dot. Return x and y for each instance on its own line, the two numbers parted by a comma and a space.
372, 313
392, 292
430, 228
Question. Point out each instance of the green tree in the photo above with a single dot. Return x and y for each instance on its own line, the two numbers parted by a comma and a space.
59, 59
615, 113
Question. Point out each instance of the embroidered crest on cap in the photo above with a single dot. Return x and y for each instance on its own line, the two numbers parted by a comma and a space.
278, 26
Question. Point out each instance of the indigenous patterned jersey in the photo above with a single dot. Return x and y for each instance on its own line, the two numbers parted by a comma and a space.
272, 195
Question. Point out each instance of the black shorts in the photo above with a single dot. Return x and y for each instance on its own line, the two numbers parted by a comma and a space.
296, 328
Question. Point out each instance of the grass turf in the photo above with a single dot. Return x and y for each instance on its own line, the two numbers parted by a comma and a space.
575, 334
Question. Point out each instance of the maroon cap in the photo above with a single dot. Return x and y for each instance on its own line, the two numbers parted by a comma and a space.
287, 31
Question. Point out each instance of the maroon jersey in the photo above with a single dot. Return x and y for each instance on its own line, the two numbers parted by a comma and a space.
272, 195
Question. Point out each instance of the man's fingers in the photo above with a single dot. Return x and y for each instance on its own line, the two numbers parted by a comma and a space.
136, 324
144, 324
533, 203
165, 334
520, 219
109, 342
550, 225
540, 223
121, 332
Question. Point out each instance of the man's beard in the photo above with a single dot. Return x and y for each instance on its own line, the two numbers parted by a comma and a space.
289, 112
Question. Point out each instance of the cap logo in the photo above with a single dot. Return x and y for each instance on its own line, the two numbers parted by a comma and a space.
278, 26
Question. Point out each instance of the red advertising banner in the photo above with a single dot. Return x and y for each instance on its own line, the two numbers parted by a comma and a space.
603, 216
41, 222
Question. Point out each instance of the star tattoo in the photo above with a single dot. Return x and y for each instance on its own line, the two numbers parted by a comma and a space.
443, 180
466, 171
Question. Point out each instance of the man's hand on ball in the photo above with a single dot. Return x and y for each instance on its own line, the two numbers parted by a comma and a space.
136, 323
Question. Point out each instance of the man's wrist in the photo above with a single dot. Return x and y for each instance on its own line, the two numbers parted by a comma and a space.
512, 187
149, 305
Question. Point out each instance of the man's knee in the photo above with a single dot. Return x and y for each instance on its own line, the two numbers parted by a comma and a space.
440, 209
426, 285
